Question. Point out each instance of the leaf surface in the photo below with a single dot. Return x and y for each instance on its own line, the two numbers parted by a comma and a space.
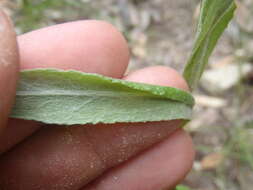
214, 18
72, 97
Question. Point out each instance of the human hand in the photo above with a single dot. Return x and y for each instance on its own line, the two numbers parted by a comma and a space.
34, 156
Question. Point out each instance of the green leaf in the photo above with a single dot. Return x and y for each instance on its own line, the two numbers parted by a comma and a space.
214, 18
182, 187
72, 97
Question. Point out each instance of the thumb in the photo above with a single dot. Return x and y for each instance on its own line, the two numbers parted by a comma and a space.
8, 68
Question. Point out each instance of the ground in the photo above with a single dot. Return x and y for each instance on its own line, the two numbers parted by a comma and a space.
161, 33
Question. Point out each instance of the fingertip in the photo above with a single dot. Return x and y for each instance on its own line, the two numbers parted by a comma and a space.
90, 46
158, 75
181, 144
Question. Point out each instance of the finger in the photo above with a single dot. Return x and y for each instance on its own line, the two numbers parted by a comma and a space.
69, 158
88, 46
158, 75
8, 68
16, 131
160, 167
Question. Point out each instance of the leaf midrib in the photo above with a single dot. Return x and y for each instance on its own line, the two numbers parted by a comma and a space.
91, 93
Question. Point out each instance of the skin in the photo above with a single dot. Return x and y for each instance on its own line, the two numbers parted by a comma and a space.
8, 68
34, 156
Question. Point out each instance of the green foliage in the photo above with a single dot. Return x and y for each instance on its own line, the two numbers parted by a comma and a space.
71, 97
182, 187
214, 18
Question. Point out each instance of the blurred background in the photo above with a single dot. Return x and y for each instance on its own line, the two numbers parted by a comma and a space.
161, 32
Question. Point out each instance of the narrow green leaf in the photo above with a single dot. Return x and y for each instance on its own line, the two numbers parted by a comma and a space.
72, 97
214, 18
